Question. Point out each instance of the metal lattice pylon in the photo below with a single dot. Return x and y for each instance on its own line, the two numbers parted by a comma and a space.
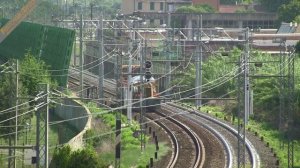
291, 107
42, 128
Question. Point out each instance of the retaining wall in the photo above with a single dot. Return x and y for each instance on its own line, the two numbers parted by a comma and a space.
80, 119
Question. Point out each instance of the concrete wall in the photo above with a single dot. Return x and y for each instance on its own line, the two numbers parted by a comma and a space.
73, 109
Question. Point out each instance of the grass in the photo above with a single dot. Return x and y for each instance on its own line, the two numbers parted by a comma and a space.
131, 155
276, 141
271, 135
30, 138
134, 157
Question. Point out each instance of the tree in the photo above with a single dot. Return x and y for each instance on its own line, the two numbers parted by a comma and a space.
273, 5
8, 97
297, 19
65, 158
31, 72
297, 48
85, 158
196, 9
34, 71
288, 12
227, 2
61, 157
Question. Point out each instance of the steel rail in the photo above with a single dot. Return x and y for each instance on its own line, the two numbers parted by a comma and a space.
199, 147
228, 150
174, 141
254, 156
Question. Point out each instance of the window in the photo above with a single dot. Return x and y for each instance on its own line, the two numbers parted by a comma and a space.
140, 5
151, 5
161, 6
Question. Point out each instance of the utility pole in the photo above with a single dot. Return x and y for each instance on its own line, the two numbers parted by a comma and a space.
118, 69
81, 56
246, 78
142, 58
282, 86
291, 107
118, 140
198, 80
101, 63
129, 89
10, 150
42, 123
17, 103
243, 104
241, 144
168, 63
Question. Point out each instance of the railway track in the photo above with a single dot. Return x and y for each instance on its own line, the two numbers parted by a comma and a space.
91, 81
218, 140
225, 133
188, 149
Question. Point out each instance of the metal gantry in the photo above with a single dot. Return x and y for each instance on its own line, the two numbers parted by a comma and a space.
287, 99
243, 81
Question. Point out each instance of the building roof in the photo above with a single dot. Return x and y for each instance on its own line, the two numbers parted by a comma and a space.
287, 28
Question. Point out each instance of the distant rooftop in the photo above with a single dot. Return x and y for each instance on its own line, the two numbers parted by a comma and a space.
287, 28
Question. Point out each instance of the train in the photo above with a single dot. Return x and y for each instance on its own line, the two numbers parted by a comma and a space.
150, 97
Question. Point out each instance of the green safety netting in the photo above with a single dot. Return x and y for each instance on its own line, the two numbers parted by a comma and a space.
51, 44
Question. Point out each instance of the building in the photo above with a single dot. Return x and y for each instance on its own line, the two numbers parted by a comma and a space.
131, 6
213, 3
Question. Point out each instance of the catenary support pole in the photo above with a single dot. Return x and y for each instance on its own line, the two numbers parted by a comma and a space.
17, 102
198, 80
101, 63
42, 123
81, 56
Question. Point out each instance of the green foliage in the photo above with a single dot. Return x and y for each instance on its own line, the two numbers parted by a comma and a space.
218, 80
271, 135
245, 11
196, 9
65, 158
8, 94
297, 48
44, 11
92, 139
227, 2
85, 158
288, 12
33, 72
273, 5
61, 157
108, 7
217, 68
128, 140
297, 19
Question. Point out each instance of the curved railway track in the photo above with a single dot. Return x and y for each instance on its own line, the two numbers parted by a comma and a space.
219, 147
188, 149
228, 134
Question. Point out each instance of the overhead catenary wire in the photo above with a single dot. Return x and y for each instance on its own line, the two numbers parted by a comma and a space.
27, 112
117, 108
128, 127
